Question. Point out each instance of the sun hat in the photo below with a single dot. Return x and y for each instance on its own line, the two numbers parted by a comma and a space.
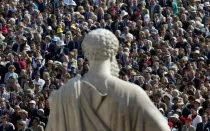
167, 95
2, 37
21, 122
49, 28
54, 39
123, 13
59, 30
32, 102
60, 43
72, 3
176, 116
206, 4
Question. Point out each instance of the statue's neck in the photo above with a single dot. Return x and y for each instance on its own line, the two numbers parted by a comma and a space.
100, 68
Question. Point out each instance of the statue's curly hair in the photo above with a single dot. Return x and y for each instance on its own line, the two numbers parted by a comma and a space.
101, 44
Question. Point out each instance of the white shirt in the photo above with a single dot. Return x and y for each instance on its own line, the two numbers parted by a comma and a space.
41, 82
196, 120
6, 95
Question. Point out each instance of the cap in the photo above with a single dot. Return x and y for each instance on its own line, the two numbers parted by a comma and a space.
206, 4
175, 116
24, 38
32, 102
112, 9
54, 39
48, 37
188, 119
170, 124
49, 28
2, 85
59, 30
60, 43
161, 109
41, 110
21, 122
16, 107
198, 101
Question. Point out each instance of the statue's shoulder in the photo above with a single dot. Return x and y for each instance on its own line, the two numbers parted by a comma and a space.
124, 85
132, 90
71, 85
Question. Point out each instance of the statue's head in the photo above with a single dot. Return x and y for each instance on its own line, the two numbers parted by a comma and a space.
100, 44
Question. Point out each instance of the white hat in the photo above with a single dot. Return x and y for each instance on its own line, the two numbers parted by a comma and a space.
12, 20
200, 7
49, 28
57, 63
123, 13
167, 95
39, 57
148, 69
73, 3
32, 102
197, 52
161, 109
206, 4
185, 58
198, 101
175, 91
48, 37
40, 111
73, 66
22, 122
2, 37
126, 49
60, 43
175, 116
146, 17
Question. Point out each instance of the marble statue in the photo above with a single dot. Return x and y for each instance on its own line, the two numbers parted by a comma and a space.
100, 101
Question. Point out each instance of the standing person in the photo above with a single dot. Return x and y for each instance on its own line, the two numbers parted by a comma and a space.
204, 125
154, 8
32, 113
6, 125
188, 125
21, 125
10, 73
16, 115
4, 94
12, 62
36, 125
24, 116
195, 117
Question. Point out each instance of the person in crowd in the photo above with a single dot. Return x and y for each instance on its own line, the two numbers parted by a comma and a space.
36, 125
163, 48
6, 125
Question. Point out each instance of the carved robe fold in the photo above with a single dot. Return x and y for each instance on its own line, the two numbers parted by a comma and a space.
79, 106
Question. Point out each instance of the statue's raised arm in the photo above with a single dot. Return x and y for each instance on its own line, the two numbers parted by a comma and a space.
99, 101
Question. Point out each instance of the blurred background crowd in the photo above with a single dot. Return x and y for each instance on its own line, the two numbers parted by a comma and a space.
164, 49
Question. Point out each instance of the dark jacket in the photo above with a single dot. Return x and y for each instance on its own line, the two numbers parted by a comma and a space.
72, 45
202, 127
3, 71
59, 54
9, 127
117, 26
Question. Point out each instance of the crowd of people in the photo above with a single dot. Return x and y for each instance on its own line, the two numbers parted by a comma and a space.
164, 49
